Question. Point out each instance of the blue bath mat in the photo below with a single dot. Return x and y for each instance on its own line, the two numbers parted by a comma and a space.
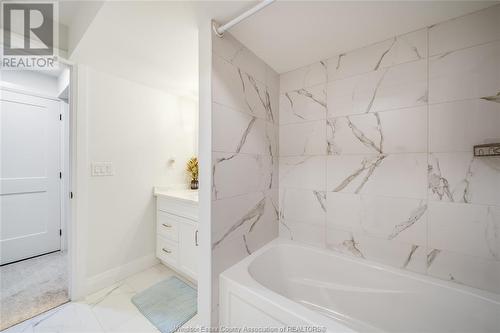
168, 304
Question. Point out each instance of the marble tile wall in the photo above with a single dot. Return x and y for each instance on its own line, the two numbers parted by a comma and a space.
375, 151
245, 94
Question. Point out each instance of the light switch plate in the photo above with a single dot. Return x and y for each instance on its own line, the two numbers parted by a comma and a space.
99, 169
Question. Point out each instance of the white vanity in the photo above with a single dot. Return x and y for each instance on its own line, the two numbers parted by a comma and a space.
177, 230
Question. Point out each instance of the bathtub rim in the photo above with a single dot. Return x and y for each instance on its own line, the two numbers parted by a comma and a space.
238, 276
240, 283
472, 291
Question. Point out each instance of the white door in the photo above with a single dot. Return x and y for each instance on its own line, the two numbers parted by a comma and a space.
30, 192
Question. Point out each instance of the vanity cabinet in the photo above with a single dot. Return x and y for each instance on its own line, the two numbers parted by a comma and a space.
177, 230
188, 248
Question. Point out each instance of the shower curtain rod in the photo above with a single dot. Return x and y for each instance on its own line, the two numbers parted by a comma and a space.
219, 30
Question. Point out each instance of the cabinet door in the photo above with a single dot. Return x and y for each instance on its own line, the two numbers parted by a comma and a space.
167, 251
188, 248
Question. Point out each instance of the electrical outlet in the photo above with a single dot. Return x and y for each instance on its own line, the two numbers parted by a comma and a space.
99, 169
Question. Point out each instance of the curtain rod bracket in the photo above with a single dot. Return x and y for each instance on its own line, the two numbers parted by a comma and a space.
215, 27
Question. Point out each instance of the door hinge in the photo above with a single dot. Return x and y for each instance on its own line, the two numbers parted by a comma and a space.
60, 175
60, 116
71, 195
60, 232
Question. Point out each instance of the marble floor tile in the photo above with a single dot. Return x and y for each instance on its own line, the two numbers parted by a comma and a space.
115, 308
136, 324
71, 317
148, 277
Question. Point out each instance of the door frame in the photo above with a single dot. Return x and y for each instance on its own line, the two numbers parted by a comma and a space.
75, 190
77, 182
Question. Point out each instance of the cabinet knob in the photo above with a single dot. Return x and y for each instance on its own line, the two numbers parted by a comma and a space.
196, 238
166, 251
166, 225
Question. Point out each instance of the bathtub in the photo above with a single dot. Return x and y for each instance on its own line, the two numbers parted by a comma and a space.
286, 284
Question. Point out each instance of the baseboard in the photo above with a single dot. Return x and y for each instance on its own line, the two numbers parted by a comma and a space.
107, 278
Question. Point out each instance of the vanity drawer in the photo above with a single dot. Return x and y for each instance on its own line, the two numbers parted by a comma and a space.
167, 251
179, 207
167, 226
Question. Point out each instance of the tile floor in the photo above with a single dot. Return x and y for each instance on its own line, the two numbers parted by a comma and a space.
108, 310
32, 286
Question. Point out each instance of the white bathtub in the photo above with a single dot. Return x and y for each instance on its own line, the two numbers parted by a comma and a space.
286, 283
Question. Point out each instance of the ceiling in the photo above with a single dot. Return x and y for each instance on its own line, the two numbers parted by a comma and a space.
153, 43
156, 43
291, 34
150, 42
68, 10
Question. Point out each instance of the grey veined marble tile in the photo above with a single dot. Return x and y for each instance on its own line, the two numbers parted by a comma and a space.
469, 229
467, 73
235, 174
303, 172
390, 252
390, 52
235, 88
458, 126
303, 105
463, 269
391, 88
246, 217
469, 30
396, 175
303, 139
388, 218
462, 178
398, 131
240, 132
303, 232
304, 77
304, 206
240, 56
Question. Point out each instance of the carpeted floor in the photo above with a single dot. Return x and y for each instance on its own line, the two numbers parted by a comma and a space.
33, 286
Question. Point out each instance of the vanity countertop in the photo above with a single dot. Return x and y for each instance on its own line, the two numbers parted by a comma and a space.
179, 194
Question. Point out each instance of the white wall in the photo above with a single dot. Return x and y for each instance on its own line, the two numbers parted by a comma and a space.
137, 129
137, 125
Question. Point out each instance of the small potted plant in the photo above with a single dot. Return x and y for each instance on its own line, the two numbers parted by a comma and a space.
192, 170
